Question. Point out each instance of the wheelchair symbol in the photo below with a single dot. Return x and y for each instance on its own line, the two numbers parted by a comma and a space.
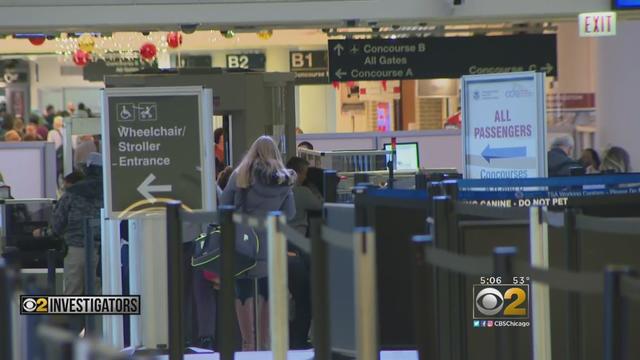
125, 112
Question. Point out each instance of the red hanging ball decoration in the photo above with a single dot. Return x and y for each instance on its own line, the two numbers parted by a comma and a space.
351, 84
37, 41
174, 39
336, 85
81, 58
148, 51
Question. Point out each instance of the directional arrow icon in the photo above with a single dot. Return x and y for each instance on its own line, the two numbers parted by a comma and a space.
145, 189
339, 49
340, 73
503, 153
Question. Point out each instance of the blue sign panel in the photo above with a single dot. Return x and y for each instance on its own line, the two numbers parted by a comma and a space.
626, 4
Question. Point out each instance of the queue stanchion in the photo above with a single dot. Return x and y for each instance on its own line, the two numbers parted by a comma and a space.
226, 319
421, 181
52, 256
359, 178
320, 291
366, 296
616, 314
503, 258
571, 248
426, 334
457, 281
359, 192
451, 188
175, 272
330, 186
441, 214
6, 338
278, 288
89, 272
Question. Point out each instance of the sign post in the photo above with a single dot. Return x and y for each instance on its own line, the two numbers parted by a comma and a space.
504, 126
157, 147
443, 57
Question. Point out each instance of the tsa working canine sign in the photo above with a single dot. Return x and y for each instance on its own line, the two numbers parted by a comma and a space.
504, 126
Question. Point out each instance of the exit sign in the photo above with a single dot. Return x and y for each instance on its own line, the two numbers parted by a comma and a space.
597, 24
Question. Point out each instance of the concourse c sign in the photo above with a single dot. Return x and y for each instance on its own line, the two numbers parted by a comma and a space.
155, 148
504, 126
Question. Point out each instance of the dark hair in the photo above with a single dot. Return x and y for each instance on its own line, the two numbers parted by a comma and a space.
306, 144
74, 177
593, 160
33, 119
50, 107
7, 123
217, 133
81, 106
297, 164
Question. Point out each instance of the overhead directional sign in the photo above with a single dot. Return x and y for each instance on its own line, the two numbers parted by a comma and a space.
155, 148
310, 67
444, 57
504, 126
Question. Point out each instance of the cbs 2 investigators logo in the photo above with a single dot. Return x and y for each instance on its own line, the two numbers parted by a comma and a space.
86, 305
495, 299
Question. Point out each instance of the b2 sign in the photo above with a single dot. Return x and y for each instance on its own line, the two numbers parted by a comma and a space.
504, 126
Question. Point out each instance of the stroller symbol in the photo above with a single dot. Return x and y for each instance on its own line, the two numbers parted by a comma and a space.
147, 111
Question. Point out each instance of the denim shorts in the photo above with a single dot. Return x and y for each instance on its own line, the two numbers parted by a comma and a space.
245, 287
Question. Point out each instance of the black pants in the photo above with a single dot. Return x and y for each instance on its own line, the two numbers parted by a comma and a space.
300, 288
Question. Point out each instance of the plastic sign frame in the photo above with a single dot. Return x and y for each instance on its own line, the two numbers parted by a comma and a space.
625, 4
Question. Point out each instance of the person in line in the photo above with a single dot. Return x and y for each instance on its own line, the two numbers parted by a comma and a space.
87, 144
616, 160
18, 125
56, 136
71, 108
305, 145
80, 201
260, 184
590, 161
35, 130
49, 115
218, 138
299, 264
7, 124
559, 161
12, 136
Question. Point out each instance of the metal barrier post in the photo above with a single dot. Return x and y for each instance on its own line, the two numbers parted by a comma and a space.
360, 178
451, 188
226, 319
441, 214
89, 272
426, 336
360, 209
503, 264
278, 287
320, 292
52, 256
366, 296
571, 248
421, 181
616, 315
330, 184
540, 307
175, 274
6, 295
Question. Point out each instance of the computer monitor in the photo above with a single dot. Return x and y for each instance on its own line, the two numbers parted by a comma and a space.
407, 155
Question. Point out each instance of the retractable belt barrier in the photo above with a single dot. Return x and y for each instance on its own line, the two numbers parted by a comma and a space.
616, 284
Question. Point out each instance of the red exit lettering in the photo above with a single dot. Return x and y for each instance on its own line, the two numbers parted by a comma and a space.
598, 24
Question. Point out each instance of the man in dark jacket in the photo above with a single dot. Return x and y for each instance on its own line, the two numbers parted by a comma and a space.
559, 162
81, 200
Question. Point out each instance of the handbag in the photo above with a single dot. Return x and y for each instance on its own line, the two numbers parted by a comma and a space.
207, 248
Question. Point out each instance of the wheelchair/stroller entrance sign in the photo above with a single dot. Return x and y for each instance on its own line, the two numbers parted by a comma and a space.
155, 148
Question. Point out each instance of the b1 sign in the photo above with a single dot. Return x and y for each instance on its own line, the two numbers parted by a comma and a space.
504, 126
597, 24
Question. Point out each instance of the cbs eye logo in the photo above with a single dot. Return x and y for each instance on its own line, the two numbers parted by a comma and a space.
501, 301
31, 305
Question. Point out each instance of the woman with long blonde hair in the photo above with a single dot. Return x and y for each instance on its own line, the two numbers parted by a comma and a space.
259, 185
